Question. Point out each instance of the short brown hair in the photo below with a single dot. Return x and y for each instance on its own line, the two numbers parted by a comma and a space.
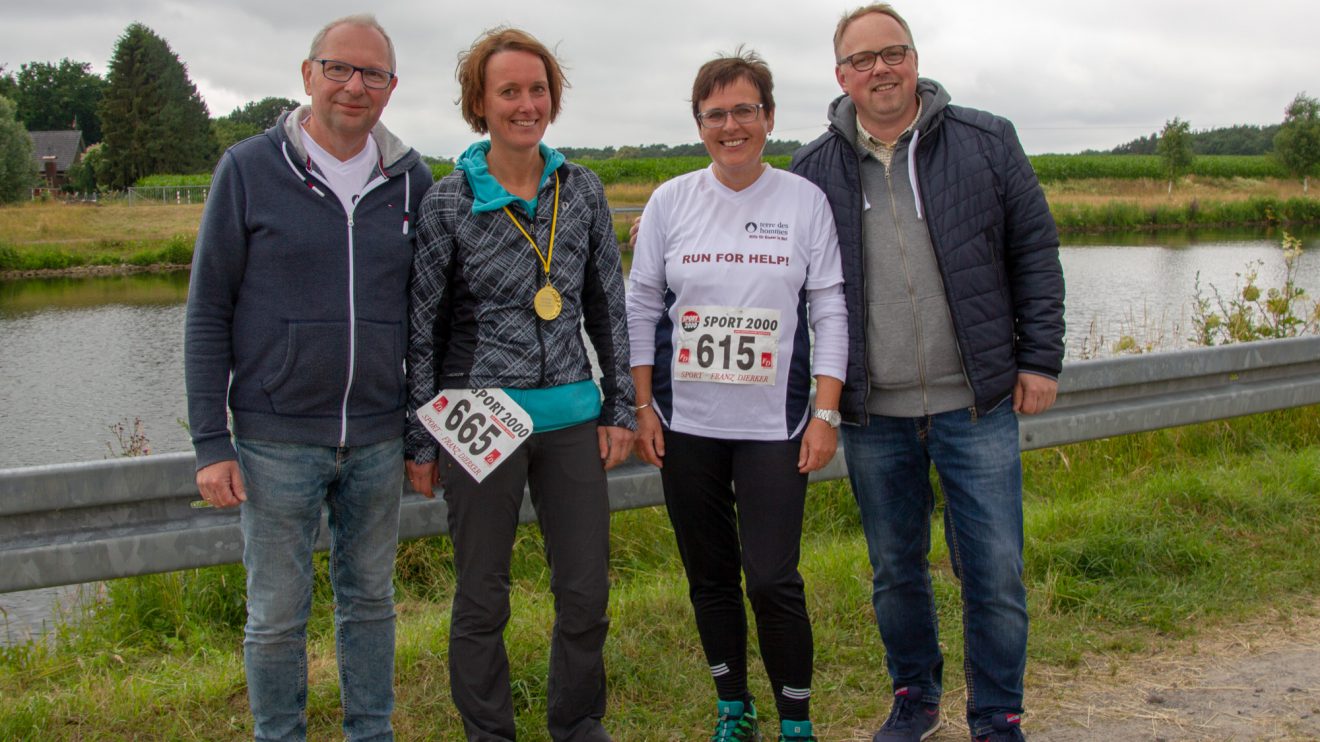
882, 9
471, 72
724, 70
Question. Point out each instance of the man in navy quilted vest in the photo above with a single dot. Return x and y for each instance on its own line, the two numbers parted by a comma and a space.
955, 300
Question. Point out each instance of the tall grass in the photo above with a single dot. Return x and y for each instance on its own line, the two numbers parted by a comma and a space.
1119, 215
172, 251
1129, 541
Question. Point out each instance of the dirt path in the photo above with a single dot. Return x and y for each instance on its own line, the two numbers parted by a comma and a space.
1256, 681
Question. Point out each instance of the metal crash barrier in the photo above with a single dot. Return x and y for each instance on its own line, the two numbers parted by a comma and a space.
72, 523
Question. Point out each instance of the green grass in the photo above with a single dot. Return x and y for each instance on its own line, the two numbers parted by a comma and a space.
159, 181
176, 250
1119, 215
1130, 542
1050, 168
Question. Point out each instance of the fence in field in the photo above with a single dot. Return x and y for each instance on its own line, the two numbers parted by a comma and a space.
71, 523
180, 194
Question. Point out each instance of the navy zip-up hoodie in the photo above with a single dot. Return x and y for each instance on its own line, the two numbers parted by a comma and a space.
297, 310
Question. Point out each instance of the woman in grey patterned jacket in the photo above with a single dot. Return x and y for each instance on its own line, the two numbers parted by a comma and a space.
516, 255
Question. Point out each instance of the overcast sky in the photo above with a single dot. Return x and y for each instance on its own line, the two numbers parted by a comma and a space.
1070, 75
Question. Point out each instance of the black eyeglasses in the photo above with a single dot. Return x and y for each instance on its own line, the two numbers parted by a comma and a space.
890, 55
343, 72
743, 113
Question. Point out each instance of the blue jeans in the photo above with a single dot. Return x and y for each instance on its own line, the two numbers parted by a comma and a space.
979, 464
287, 485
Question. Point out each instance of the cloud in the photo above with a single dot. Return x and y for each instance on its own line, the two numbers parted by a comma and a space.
1070, 76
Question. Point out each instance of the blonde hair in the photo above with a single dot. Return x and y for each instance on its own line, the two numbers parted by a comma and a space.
882, 9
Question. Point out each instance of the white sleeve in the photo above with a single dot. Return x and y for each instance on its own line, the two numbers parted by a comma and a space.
827, 310
645, 305
826, 266
828, 313
646, 282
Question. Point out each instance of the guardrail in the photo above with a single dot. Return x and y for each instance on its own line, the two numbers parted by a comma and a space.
72, 523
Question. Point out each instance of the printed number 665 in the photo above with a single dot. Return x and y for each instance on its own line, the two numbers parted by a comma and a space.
470, 429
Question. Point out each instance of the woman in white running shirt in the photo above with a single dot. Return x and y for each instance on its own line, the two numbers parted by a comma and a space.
733, 264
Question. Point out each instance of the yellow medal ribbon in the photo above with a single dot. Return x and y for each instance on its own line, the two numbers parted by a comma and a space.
547, 302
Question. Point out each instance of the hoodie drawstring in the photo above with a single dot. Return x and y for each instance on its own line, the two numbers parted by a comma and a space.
912, 172
284, 148
407, 197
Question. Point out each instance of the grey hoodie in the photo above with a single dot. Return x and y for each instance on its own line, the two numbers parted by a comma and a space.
912, 353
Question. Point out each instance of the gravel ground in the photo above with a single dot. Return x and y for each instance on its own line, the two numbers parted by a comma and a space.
1254, 681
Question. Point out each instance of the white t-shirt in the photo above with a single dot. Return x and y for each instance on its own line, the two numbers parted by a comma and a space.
718, 302
346, 178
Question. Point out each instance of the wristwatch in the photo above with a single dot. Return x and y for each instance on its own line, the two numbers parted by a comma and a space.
832, 418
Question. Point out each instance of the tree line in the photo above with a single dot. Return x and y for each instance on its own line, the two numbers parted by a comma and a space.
147, 117
1295, 143
144, 117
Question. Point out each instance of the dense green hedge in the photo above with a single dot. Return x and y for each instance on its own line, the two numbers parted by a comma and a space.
160, 181
1076, 167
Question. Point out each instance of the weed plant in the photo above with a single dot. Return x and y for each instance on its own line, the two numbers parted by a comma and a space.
1255, 313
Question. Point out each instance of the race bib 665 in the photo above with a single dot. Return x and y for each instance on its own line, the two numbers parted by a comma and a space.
479, 428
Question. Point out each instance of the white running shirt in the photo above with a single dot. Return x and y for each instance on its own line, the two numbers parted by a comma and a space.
718, 299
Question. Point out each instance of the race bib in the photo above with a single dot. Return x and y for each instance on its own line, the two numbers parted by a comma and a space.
727, 345
479, 428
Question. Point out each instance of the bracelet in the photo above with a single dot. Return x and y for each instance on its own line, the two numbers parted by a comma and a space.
641, 407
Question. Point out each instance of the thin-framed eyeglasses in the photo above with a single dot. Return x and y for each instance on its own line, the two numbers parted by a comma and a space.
338, 71
890, 55
743, 113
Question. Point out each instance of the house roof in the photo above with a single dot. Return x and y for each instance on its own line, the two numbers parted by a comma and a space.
64, 146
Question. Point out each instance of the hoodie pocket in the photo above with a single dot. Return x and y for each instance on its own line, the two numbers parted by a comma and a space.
312, 379
378, 385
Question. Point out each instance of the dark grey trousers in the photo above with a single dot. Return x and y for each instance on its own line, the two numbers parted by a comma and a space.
563, 470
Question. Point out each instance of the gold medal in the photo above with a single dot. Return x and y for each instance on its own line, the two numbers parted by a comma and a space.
548, 303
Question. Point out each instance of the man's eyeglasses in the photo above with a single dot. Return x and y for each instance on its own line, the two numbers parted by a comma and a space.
743, 113
890, 55
343, 72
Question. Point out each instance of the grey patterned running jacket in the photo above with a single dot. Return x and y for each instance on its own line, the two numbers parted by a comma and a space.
472, 324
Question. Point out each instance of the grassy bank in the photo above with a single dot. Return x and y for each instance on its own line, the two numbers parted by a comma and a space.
1129, 542
46, 236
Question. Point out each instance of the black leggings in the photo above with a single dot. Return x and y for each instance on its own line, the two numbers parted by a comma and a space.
736, 507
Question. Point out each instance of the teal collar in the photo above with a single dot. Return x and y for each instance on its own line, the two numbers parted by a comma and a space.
487, 193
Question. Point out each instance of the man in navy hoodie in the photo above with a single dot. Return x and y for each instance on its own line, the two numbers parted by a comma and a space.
296, 330
955, 298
